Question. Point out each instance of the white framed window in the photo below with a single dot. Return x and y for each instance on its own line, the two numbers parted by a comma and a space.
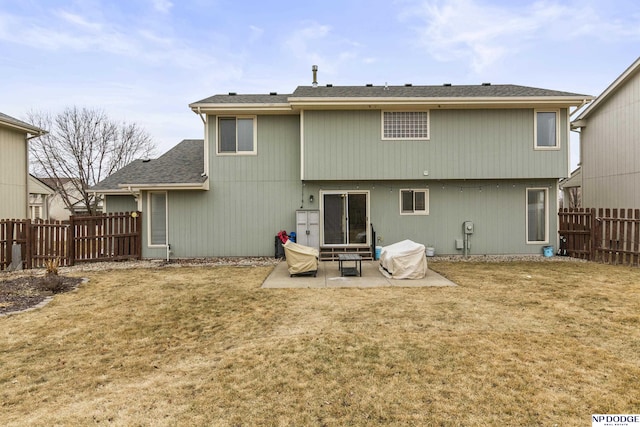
237, 135
414, 202
546, 130
157, 224
537, 215
405, 125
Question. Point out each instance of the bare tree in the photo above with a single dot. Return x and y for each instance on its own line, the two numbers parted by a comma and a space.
83, 147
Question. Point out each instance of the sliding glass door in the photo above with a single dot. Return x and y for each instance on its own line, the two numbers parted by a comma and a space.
345, 217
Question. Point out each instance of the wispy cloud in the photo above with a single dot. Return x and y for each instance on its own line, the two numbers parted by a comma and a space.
318, 44
64, 31
483, 33
163, 6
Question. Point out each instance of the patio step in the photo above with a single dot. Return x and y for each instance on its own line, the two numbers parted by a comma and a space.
331, 254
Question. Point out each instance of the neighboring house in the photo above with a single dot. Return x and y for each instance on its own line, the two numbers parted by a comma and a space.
410, 162
40, 195
14, 166
571, 190
610, 146
58, 209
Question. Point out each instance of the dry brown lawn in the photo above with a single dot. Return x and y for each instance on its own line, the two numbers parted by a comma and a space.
514, 344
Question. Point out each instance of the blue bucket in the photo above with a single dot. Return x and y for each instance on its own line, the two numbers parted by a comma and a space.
548, 251
378, 251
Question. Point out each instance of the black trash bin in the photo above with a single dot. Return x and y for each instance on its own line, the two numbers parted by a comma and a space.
279, 249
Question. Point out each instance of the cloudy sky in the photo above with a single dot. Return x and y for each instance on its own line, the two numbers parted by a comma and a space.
145, 60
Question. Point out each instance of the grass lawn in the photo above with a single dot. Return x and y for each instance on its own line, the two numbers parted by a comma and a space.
523, 343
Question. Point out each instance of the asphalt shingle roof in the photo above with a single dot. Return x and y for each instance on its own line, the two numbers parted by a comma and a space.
405, 91
183, 164
245, 99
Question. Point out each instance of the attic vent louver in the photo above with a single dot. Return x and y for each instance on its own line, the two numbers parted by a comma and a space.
408, 84
486, 84
232, 94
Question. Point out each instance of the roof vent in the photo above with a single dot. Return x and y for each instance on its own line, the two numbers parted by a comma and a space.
314, 69
369, 85
447, 84
486, 84
408, 84
273, 93
146, 160
232, 94
329, 85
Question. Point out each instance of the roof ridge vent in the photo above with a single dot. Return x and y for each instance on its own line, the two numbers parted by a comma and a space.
369, 85
273, 93
447, 84
486, 84
408, 85
329, 85
232, 94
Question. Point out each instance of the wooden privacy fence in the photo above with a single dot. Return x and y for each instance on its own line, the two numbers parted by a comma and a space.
108, 237
610, 236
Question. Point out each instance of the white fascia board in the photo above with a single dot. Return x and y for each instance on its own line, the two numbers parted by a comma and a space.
26, 129
493, 102
628, 73
165, 186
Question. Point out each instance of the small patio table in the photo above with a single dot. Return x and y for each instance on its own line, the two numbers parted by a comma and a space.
356, 270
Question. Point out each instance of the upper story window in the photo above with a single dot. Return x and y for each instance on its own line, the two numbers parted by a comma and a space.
547, 134
237, 135
405, 125
414, 202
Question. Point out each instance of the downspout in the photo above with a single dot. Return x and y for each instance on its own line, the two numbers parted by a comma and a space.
205, 166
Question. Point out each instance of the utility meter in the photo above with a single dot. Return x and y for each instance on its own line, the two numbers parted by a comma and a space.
468, 227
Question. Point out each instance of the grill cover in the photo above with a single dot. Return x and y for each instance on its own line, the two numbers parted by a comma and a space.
300, 258
403, 260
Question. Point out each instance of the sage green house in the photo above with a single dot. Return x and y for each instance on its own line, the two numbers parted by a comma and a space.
14, 166
351, 168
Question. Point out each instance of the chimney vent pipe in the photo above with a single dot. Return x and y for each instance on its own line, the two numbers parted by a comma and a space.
314, 68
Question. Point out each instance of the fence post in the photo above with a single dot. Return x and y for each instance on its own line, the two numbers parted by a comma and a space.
71, 244
139, 234
10, 226
594, 228
28, 231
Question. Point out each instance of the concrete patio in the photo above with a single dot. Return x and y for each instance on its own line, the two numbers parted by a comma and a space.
329, 277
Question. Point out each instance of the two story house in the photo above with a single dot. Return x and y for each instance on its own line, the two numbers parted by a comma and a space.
609, 149
463, 169
14, 166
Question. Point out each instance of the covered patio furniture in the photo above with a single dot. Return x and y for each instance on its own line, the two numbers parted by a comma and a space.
403, 260
301, 260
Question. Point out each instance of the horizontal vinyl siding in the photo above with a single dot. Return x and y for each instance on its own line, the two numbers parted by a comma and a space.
13, 174
611, 151
463, 144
